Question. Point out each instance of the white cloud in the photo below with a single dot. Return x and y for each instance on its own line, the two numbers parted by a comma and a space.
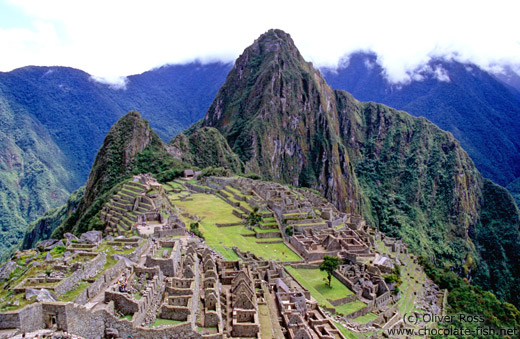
111, 39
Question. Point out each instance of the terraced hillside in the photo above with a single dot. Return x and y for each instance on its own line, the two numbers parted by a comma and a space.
136, 203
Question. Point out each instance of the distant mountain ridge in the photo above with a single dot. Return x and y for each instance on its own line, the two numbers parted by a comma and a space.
55, 120
479, 109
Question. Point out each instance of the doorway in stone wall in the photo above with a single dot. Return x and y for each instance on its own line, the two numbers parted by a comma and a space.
51, 321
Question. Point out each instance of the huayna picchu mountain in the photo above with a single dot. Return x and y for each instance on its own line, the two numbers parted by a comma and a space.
402, 173
280, 117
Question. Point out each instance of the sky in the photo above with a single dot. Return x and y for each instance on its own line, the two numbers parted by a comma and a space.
110, 39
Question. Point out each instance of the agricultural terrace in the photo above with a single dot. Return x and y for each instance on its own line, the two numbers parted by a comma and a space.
213, 210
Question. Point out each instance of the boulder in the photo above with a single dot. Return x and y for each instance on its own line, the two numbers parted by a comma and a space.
45, 295
48, 257
31, 292
92, 237
47, 244
111, 333
71, 237
6, 269
59, 243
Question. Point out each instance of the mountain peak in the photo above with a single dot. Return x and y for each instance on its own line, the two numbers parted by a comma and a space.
279, 116
274, 40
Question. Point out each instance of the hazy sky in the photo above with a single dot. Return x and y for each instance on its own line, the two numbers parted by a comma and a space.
113, 38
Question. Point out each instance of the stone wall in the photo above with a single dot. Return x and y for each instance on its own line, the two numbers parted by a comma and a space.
135, 255
232, 203
238, 214
199, 189
92, 325
361, 312
169, 233
268, 235
229, 224
180, 313
344, 280
211, 319
342, 301
123, 303
89, 270
29, 318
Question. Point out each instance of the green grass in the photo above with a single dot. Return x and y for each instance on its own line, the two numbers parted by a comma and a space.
270, 230
347, 333
168, 322
312, 279
366, 318
317, 279
73, 294
175, 184
273, 223
20, 297
234, 190
409, 286
214, 210
265, 321
350, 307
127, 317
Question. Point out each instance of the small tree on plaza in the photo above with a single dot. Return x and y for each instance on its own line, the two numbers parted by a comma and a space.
329, 265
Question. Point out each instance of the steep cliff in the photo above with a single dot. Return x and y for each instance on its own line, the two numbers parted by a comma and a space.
280, 117
417, 182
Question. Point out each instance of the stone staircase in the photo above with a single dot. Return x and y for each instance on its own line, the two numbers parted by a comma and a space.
123, 209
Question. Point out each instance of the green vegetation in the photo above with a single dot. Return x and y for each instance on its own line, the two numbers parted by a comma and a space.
350, 307
329, 265
206, 147
214, 171
498, 242
43, 227
316, 283
165, 322
254, 218
366, 318
347, 333
73, 294
472, 300
213, 210
514, 188
194, 228
394, 277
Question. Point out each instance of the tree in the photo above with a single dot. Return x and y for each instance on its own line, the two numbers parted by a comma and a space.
329, 265
254, 217
194, 228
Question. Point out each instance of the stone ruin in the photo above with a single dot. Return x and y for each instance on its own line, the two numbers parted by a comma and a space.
141, 205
